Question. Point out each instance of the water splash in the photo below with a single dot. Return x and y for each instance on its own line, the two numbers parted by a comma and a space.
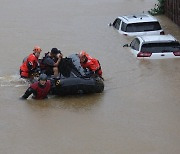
12, 81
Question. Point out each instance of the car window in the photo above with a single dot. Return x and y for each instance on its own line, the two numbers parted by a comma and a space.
161, 47
135, 44
141, 27
123, 26
116, 23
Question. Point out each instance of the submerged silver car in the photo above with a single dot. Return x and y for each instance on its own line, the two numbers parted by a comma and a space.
137, 24
155, 47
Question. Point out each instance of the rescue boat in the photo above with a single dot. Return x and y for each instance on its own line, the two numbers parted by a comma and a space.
73, 79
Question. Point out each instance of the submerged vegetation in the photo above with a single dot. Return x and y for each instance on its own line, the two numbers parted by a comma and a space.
158, 9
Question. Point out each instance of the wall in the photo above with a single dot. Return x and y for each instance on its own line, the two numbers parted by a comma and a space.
172, 10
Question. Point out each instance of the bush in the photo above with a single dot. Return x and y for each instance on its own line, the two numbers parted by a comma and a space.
158, 9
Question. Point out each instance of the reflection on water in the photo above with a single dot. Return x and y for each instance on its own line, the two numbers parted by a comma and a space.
70, 103
169, 28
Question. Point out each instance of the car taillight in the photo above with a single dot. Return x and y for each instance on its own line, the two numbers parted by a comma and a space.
162, 33
144, 54
176, 53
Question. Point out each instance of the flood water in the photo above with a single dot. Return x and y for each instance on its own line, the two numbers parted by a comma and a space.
139, 110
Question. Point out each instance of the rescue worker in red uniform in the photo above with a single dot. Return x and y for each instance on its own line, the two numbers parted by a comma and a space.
91, 63
31, 64
39, 89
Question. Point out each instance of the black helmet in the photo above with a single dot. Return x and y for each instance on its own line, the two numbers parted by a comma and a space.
55, 51
43, 77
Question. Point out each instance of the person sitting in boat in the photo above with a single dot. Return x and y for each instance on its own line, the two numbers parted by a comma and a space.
40, 89
50, 62
30, 65
92, 64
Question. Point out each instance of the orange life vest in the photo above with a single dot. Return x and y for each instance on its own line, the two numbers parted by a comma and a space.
93, 65
31, 60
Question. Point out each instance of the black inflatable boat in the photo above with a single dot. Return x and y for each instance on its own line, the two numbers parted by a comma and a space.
73, 79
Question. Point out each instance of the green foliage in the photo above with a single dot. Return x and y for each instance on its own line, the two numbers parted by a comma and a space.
158, 9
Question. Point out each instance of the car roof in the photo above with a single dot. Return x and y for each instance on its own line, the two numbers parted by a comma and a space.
137, 18
156, 38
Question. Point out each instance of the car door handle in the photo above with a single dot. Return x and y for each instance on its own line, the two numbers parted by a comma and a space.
162, 55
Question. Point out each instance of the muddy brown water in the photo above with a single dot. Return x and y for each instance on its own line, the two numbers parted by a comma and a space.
138, 112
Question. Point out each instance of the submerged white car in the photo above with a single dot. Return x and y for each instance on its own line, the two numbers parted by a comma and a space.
135, 25
155, 47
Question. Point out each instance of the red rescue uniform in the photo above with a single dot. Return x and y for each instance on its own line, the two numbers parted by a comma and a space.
30, 64
41, 92
92, 64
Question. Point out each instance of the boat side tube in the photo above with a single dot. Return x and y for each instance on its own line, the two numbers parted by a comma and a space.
70, 86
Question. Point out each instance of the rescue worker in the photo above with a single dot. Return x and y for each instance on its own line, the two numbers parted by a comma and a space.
39, 89
92, 64
30, 64
50, 62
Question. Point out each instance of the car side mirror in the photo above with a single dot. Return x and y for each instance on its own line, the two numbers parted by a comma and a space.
126, 45
110, 24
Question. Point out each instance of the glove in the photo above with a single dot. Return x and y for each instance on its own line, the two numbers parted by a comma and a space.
89, 73
22, 98
38, 70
